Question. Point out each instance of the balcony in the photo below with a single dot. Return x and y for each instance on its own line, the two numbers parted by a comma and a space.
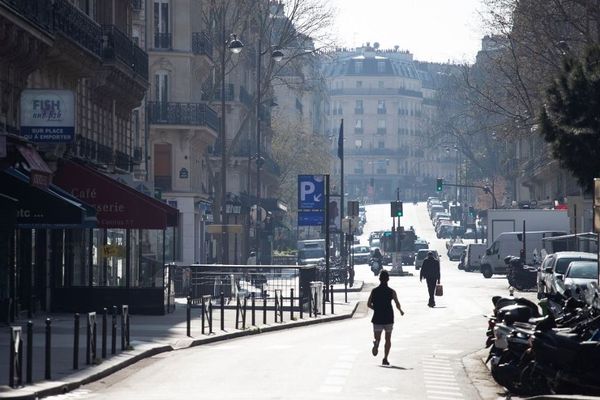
118, 46
214, 93
137, 5
375, 92
359, 110
75, 25
372, 152
137, 155
192, 114
381, 111
93, 151
201, 44
163, 41
37, 11
245, 97
381, 171
359, 171
381, 131
123, 161
358, 131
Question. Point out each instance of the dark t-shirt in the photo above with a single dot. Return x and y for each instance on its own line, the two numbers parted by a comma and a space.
382, 297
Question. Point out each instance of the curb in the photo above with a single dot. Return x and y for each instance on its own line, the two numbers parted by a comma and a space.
53, 388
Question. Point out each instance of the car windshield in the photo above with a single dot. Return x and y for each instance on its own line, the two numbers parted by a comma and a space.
360, 249
563, 263
458, 249
583, 270
422, 254
311, 253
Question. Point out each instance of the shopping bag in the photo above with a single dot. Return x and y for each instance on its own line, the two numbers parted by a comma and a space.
439, 290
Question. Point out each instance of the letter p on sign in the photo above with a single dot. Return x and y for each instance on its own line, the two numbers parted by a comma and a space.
306, 189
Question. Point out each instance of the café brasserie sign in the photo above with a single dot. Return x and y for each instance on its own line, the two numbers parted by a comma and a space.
48, 116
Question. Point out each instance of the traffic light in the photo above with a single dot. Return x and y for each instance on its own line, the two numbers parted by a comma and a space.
439, 185
396, 209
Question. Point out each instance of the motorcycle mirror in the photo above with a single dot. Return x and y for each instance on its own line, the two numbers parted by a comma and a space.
488, 252
559, 277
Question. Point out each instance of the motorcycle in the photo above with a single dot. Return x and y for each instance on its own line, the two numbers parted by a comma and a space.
376, 266
520, 276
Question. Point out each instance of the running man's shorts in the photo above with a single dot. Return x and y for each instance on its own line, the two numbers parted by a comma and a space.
387, 328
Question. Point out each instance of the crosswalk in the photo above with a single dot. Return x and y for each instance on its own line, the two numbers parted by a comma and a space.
438, 376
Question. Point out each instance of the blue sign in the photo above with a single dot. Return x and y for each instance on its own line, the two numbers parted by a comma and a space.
48, 116
311, 192
311, 218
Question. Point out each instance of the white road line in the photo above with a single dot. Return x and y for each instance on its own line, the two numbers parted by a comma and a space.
334, 381
339, 372
440, 398
441, 385
445, 393
330, 389
343, 365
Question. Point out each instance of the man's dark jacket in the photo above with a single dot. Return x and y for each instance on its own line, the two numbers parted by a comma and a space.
430, 269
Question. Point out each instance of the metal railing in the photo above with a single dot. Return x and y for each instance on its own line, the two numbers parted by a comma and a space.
169, 113
37, 11
214, 93
123, 161
77, 26
201, 44
163, 41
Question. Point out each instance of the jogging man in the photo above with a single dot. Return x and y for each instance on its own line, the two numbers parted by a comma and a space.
380, 301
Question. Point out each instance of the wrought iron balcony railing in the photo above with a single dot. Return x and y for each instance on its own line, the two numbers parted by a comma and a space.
137, 4
117, 46
201, 44
214, 93
37, 11
77, 26
167, 113
163, 41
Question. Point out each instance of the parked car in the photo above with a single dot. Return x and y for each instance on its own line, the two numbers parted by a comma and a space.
456, 251
556, 264
577, 277
362, 254
422, 255
474, 253
470, 233
421, 244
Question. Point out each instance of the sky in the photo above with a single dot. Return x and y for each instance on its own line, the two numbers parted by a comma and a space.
433, 30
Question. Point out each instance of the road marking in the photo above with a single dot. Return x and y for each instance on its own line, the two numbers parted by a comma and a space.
448, 352
330, 389
342, 365
385, 389
445, 393
339, 372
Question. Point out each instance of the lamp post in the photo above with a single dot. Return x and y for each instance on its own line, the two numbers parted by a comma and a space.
276, 55
235, 46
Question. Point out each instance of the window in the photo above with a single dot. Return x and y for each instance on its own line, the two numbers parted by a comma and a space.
380, 84
381, 124
381, 144
162, 37
358, 143
88, 7
358, 126
358, 107
381, 107
380, 67
161, 86
358, 67
358, 84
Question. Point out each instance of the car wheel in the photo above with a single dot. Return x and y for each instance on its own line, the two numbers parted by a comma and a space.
486, 270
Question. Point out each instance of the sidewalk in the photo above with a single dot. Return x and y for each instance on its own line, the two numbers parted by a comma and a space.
149, 335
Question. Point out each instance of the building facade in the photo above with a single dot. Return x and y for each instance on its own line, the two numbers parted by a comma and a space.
386, 104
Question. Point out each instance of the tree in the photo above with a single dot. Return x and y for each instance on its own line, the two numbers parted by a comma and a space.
569, 119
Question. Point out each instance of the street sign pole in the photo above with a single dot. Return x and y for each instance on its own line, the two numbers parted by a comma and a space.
327, 237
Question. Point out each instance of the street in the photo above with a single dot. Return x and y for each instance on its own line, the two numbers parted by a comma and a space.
334, 360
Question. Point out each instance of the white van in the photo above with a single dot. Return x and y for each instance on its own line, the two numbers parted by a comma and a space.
510, 244
311, 251
475, 251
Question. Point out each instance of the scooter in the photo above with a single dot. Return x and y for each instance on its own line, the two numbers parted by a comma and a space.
375, 266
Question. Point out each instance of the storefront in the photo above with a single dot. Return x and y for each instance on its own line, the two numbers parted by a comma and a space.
30, 215
122, 260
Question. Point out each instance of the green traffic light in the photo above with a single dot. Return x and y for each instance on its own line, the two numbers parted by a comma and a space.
439, 185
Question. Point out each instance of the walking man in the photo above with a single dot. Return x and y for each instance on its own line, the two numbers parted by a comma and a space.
380, 301
431, 272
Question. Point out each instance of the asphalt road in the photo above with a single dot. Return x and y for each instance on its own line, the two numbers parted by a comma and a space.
333, 360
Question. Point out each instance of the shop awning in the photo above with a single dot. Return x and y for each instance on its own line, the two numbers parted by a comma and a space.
117, 205
44, 208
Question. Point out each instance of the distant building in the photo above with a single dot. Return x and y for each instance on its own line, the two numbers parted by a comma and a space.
387, 100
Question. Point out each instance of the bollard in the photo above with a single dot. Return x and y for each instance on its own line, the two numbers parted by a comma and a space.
276, 305
346, 291
104, 318
244, 313
310, 293
88, 338
202, 314
47, 371
331, 298
222, 311
188, 319
291, 304
128, 326
15, 349
94, 340
253, 310
324, 301
210, 314
76, 342
264, 307
113, 337
300, 298
122, 328
237, 311
29, 378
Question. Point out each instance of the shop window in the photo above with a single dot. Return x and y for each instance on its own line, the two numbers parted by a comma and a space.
152, 258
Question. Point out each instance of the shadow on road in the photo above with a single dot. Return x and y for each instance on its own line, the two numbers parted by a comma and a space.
395, 367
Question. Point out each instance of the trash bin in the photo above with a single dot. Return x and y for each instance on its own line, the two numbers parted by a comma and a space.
316, 293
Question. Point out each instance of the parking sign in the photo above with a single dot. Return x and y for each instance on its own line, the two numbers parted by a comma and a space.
311, 192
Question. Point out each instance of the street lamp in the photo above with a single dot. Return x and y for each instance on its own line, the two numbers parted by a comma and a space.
276, 55
235, 46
